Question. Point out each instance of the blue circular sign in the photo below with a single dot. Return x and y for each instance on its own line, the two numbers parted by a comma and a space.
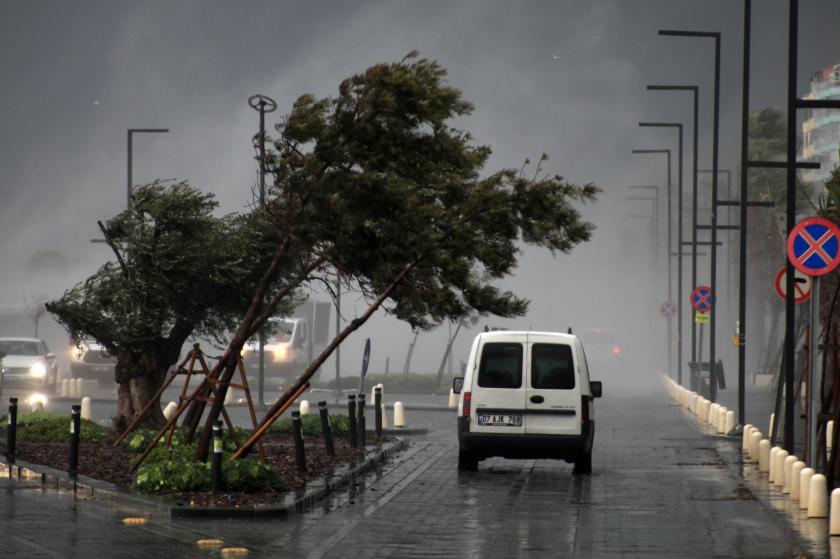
813, 246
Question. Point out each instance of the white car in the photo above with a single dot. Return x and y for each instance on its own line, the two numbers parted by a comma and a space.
92, 361
526, 395
287, 349
28, 363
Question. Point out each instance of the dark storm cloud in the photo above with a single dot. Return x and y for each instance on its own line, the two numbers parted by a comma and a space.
564, 77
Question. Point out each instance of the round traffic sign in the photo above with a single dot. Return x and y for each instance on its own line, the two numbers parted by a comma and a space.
813, 246
668, 309
801, 283
701, 298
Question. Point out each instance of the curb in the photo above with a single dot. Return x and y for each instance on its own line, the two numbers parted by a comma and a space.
83, 486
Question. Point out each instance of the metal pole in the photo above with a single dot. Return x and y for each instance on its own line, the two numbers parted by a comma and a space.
670, 329
680, 264
742, 222
216, 460
790, 309
300, 453
326, 428
337, 333
11, 431
75, 428
813, 374
715, 298
351, 420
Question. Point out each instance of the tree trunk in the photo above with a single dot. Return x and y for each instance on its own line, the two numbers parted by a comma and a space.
139, 376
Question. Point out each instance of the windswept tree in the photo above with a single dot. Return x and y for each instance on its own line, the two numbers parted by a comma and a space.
179, 271
378, 185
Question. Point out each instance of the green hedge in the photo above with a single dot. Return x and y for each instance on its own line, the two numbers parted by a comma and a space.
48, 427
170, 472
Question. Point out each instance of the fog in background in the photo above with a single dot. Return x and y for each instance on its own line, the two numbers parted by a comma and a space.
563, 77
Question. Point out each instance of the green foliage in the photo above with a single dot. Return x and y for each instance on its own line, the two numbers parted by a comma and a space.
310, 424
141, 438
171, 475
47, 427
172, 468
832, 187
250, 476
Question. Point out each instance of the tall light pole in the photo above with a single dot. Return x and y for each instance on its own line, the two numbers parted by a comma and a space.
129, 186
263, 105
716, 132
679, 254
695, 90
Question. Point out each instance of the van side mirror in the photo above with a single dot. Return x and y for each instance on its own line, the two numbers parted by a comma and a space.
596, 388
457, 384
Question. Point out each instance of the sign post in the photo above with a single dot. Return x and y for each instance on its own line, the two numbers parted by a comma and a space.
812, 248
701, 301
365, 362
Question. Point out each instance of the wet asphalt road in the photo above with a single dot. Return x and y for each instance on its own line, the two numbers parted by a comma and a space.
661, 488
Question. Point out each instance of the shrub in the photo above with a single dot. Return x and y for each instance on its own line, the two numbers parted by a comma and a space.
171, 475
250, 476
140, 438
171, 469
310, 424
47, 427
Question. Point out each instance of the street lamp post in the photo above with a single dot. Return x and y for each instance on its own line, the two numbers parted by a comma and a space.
716, 130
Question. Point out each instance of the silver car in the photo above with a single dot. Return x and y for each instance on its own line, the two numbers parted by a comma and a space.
27, 363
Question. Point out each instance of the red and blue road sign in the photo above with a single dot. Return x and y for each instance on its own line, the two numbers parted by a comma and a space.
701, 298
814, 246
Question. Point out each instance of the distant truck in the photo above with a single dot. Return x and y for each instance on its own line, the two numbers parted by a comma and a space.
291, 342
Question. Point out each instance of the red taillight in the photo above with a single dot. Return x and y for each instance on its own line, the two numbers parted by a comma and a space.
467, 401
616, 350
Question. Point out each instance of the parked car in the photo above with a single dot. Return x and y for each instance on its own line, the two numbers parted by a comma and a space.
28, 363
526, 395
90, 360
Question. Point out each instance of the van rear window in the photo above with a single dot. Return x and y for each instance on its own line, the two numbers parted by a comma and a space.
501, 366
552, 367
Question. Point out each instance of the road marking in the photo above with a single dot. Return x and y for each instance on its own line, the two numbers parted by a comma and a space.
347, 527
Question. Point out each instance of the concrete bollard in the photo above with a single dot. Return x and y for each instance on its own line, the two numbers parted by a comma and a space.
64, 391
788, 470
779, 470
795, 472
712, 420
303, 407
805, 487
71, 388
829, 437
453, 400
746, 437
818, 497
834, 518
729, 422
754, 442
772, 420
721, 423
399, 415
169, 410
373, 388
86, 411
771, 463
764, 456
79, 388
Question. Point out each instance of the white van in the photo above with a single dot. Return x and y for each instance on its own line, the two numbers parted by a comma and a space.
526, 395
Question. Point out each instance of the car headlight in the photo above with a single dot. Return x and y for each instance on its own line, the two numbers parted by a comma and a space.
78, 352
38, 370
280, 354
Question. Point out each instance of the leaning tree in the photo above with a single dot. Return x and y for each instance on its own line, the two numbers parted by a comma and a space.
377, 185
178, 272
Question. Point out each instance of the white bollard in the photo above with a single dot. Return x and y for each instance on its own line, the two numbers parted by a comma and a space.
795, 472
64, 391
713, 409
453, 399
169, 410
757, 436
771, 463
729, 422
373, 388
779, 470
71, 388
399, 415
772, 419
829, 437
229, 396
721, 423
788, 470
303, 407
834, 518
818, 497
745, 439
86, 411
805, 487
79, 388
764, 456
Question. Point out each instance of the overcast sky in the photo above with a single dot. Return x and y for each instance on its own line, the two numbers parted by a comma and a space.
566, 77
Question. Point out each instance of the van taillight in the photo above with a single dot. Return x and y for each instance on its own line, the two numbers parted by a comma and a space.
467, 402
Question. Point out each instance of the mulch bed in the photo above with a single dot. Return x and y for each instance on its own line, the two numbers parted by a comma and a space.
106, 463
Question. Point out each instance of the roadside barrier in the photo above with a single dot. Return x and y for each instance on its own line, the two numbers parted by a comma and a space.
805, 487
297, 431
721, 424
360, 419
377, 411
351, 420
453, 400
764, 456
216, 461
399, 415
86, 411
729, 422
818, 497
80, 388
755, 443
781, 456
745, 439
303, 407
771, 464
75, 428
788, 470
834, 518
64, 391
795, 473
772, 420
169, 410
326, 428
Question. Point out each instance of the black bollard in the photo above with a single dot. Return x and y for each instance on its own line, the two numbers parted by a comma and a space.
75, 428
377, 411
299, 452
360, 420
11, 441
325, 427
216, 463
351, 419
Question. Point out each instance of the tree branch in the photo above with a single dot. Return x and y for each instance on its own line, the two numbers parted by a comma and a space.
114, 248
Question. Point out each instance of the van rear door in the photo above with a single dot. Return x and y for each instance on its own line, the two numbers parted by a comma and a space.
498, 391
553, 391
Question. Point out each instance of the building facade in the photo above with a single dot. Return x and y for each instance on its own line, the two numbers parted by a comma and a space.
821, 129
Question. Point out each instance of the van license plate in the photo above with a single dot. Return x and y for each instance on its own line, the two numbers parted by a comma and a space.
501, 420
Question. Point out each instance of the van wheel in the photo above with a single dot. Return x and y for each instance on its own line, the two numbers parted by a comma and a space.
583, 465
467, 462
